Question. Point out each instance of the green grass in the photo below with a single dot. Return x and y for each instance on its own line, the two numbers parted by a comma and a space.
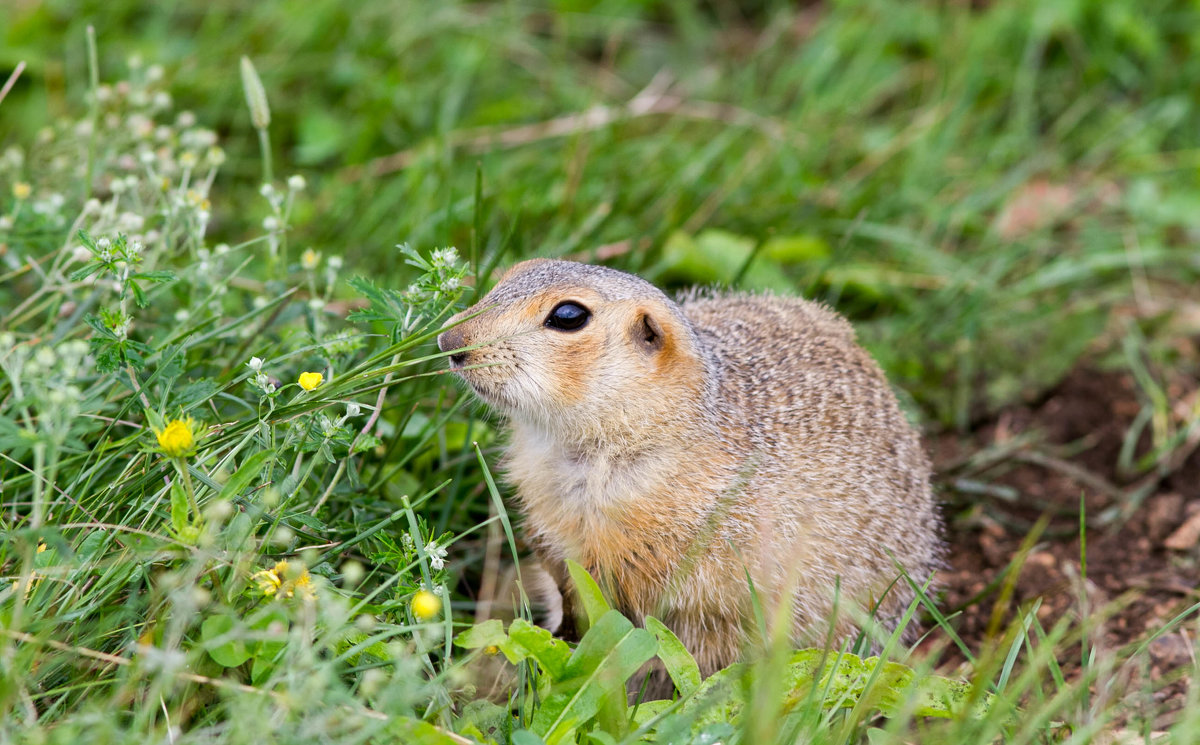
899, 160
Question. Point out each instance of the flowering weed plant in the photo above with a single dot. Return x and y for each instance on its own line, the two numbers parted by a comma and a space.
198, 456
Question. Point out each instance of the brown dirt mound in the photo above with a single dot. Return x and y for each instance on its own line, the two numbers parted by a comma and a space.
1143, 537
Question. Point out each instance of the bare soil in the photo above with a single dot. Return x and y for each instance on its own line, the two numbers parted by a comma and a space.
1042, 461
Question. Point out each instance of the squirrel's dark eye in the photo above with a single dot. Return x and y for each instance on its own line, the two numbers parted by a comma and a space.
568, 316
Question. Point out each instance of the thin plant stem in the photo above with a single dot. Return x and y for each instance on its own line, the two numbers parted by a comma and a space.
181, 464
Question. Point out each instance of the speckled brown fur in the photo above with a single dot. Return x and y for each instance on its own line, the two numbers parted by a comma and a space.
753, 435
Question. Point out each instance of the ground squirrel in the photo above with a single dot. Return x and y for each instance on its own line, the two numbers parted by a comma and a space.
676, 449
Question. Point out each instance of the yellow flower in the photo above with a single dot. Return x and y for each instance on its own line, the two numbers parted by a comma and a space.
310, 380
268, 581
41, 547
285, 581
22, 190
178, 439
426, 605
309, 259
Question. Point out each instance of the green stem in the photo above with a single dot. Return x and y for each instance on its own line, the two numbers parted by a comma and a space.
264, 143
94, 116
181, 464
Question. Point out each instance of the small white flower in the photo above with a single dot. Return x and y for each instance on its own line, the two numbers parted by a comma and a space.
437, 556
296, 183
221, 249
267, 190
353, 410
309, 259
45, 357
103, 244
130, 222
215, 156
188, 159
334, 262
6, 222
316, 304
328, 428
131, 183
181, 315
162, 133
91, 206
185, 120
147, 157
154, 73
255, 364
260, 302
13, 157
270, 223
162, 100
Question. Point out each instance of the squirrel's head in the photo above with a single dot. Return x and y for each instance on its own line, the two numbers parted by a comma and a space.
568, 345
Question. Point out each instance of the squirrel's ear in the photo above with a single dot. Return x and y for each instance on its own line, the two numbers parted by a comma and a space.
648, 334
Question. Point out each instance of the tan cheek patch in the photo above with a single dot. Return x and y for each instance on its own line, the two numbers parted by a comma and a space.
572, 365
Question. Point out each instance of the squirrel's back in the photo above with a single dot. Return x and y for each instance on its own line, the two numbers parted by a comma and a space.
839, 465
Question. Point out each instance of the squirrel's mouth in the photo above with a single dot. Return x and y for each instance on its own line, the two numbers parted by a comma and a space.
492, 393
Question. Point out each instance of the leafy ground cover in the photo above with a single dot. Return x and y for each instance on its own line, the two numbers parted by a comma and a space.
240, 501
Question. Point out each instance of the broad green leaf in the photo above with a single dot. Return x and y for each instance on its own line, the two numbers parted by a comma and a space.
680, 664
594, 604
717, 256
490, 633
792, 249
416, 732
489, 719
525, 737
522, 641
160, 276
179, 507
609, 653
86, 271
841, 681
552, 654
139, 295
231, 653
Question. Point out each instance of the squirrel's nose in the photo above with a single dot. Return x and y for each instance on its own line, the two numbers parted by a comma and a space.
453, 339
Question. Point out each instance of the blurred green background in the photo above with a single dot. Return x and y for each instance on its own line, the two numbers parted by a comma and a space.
991, 190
